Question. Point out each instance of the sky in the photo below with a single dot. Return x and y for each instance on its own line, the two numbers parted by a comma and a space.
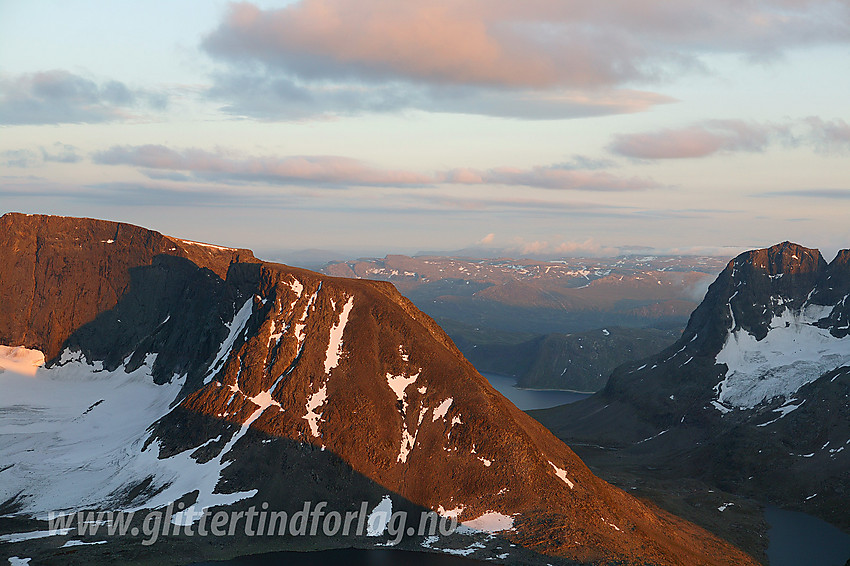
542, 127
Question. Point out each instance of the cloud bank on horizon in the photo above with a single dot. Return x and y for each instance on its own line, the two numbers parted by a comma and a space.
427, 124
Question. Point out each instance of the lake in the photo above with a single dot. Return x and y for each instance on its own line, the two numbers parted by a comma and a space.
528, 399
797, 538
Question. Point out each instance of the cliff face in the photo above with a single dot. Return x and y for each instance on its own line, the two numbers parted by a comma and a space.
280, 385
60, 273
753, 398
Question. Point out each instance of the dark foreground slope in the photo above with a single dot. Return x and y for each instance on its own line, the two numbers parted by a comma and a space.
753, 399
278, 385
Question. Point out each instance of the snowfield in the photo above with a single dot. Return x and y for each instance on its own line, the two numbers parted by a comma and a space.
794, 353
72, 437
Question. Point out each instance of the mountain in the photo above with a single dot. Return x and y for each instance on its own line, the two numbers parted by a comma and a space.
576, 362
541, 297
194, 374
753, 399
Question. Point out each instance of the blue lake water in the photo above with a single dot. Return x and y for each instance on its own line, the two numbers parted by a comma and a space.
797, 539
528, 399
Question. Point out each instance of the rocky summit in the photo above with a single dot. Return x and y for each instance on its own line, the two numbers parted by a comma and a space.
755, 396
185, 372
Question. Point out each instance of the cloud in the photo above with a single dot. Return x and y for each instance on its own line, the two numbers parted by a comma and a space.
543, 248
839, 194
161, 162
725, 136
699, 140
488, 239
27, 158
23, 158
550, 177
829, 136
492, 56
537, 44
267, 95
59, 97
61, 153
328, 171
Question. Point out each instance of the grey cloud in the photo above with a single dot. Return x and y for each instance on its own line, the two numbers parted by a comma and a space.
264, 95
23, 158
838, 194
61, 153
27, 158
829, 136
57, 97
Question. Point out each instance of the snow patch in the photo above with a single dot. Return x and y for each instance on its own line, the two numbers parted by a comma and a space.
398, 383
21, 360
32, 535
296, 287
408, 441
442, 409
235, 327
315, 401
490, 522
71, 543
562, 474
376, 523
793, 353
191, 243
334, 350
450, 512
784, 410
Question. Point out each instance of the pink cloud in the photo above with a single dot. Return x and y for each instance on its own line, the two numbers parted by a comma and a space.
221, 166
535, 43
717, 136
538, 59
158, 161
588, 247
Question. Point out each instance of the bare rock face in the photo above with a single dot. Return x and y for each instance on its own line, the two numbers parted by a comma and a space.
753, 398
301, 386
60, 273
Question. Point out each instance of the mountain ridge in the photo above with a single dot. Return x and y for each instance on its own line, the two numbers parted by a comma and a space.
284, 360
753, 397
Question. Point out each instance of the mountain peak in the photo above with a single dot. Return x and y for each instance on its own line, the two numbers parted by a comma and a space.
783, 258
91, 264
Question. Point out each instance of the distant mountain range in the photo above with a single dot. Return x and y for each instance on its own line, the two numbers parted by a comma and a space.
559, 324
571, 295
186, 372
754, 398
